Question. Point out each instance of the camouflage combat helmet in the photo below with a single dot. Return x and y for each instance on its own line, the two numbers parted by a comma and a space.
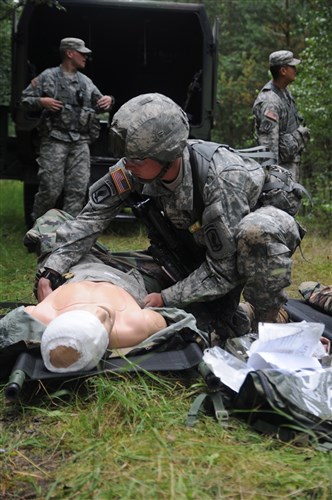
150, 126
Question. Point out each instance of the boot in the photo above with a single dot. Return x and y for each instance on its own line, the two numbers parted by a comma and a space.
279, 315
248, 309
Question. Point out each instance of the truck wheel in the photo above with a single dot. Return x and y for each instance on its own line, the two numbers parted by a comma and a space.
29, 192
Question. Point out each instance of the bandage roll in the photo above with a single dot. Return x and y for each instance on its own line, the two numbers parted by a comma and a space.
74, 341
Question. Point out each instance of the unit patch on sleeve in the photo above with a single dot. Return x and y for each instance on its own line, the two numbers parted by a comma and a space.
120, 180
105, 191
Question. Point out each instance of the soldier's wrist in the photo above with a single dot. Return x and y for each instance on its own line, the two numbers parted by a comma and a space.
54, 277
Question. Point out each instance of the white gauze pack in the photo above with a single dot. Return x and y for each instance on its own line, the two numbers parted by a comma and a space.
74, 341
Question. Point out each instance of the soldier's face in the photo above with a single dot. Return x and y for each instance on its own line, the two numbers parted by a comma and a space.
78, 59
290, 73
145, 170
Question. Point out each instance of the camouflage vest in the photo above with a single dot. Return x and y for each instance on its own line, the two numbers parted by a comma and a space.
293, 121
76, 115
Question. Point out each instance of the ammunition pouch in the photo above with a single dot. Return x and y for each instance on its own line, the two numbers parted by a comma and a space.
89, 123
66, 119
281, 191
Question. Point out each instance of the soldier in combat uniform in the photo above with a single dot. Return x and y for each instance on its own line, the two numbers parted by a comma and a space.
243, 239
277, 122
68, 101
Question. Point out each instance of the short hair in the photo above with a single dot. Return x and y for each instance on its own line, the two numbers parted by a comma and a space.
63, 54
275, 71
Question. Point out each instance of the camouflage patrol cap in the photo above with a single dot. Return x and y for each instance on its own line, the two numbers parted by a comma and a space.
150, 126
74, 44
283, 58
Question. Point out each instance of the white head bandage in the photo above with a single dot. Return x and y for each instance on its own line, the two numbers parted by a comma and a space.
74, 341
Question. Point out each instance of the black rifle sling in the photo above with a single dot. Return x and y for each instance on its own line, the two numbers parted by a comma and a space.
200, 172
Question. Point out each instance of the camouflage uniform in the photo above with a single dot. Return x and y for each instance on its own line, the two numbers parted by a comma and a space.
244, 248
64, 156
317, 295
278, 125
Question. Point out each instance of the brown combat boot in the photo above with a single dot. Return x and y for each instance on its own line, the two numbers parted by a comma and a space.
248, 309
279, 315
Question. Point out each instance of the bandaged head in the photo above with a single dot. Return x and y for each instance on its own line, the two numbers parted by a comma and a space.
74, 341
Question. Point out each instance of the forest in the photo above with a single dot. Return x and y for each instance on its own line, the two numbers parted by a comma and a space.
249, 30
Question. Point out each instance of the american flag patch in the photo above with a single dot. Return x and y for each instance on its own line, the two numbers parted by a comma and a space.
272, 115
120, 180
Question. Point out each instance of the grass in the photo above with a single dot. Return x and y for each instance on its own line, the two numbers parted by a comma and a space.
124, 436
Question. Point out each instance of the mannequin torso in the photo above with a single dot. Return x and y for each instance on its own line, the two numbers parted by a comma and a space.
127, 324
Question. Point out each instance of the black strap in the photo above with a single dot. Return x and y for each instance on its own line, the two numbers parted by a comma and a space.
198, 184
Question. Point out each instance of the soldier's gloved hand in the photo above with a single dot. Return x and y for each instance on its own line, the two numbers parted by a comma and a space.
304, 133
154, 300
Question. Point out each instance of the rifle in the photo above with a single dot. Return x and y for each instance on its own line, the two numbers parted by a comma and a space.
166, 247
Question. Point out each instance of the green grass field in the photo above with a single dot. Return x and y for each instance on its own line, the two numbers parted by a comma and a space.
124, 436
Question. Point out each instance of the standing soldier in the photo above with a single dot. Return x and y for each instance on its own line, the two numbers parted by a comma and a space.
277, 122
69, 102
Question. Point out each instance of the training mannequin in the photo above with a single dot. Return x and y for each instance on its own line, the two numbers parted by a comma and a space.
126, 323
85, 318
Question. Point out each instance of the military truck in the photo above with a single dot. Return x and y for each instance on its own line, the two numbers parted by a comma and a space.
138, 47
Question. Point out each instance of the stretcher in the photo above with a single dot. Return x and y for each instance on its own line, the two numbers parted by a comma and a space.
21, 365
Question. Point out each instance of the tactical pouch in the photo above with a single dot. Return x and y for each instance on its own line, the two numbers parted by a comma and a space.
89, 123
281, 191
95, 127
63, 119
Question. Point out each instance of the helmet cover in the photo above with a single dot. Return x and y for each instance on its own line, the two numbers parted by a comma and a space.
151, 126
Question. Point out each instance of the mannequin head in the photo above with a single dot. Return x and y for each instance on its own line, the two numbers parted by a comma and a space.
74, 341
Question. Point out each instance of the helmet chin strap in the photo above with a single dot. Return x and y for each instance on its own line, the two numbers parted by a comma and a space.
164, 170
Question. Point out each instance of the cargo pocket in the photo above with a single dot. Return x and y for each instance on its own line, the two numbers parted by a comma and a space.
276, 248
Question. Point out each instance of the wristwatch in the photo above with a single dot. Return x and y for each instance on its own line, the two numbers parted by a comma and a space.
54, 277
